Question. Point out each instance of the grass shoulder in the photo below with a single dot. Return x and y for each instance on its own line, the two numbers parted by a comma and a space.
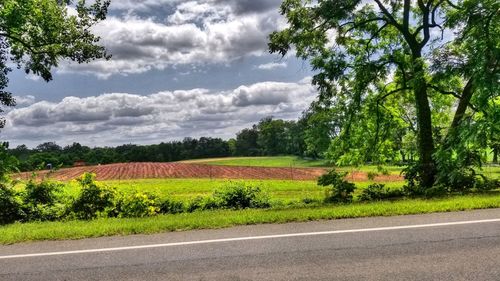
77, 229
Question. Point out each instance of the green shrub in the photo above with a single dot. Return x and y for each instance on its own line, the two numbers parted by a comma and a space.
309, 201
379, 192
383, 170
486, 184
42, 201
202, 203
10, 205
239, 196
94, 199
169, 206
340, 189
371, 175
45, 192
8, 163
138, 205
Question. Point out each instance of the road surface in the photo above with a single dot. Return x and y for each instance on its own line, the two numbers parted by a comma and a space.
445, 246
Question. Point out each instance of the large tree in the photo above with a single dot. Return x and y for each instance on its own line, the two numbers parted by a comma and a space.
37, 34
426, 52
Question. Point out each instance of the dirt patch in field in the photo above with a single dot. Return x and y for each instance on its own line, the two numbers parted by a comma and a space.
362, 176
124, 171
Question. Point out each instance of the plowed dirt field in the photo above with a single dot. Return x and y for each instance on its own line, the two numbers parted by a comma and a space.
123, 171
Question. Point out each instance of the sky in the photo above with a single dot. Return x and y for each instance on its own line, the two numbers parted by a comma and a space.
178, 69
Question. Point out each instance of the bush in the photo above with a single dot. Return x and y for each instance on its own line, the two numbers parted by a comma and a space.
239, 196
202, 203
488, 184
94, 200
10, 206
379, 192
138, 205
42, 201
341, 190
45, 192
384, 171
169, 206
371, 175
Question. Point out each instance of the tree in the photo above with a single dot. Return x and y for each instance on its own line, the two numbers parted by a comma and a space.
37, 34
246, 142
272, 136
368, 51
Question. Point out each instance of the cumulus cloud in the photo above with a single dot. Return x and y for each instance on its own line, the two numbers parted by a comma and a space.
197, 32
116, 118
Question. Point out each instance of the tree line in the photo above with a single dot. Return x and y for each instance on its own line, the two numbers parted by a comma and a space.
267, 138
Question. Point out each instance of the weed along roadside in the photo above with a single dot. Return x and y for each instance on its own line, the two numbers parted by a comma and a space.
49, 210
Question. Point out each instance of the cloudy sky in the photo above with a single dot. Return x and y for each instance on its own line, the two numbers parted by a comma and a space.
179, 69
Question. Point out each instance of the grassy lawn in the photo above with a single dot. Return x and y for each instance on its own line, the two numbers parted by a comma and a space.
294, 161
274, 161
186, 189
285, 161
225, 218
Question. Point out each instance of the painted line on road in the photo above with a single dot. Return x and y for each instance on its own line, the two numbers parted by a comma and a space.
388, 228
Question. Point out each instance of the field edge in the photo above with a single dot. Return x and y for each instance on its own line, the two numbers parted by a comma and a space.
72, 230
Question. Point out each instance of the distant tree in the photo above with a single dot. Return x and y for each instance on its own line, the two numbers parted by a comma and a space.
294, 133
211, 147
232, 146
48, 147
272, 136
37, 34
246, 142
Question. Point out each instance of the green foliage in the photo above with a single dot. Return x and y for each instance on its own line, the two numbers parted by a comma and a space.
376, 191
340, 189
10, 205
45, 192
94, 199
391, 87
169, 206
240, 196
8, 163
42, 201
371, 175
38, 34
138, 205
201, 203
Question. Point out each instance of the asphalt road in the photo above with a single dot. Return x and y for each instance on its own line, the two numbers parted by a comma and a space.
422, 247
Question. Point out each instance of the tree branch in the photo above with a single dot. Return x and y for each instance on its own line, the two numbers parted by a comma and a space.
388, 15
406, 15
392, 92
361, 24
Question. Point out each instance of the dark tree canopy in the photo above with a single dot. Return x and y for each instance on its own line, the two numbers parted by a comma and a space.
429, 57
37, 34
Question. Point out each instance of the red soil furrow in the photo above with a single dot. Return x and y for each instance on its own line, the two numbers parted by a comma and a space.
183, 170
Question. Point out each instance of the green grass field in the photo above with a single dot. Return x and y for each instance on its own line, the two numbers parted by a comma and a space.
294, 161
186, 189
274, 161
286, 161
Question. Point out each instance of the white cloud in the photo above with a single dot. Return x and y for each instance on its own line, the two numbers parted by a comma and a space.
116, 118
196, 32
272, 65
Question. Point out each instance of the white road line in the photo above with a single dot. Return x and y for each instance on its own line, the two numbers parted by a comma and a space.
246, 239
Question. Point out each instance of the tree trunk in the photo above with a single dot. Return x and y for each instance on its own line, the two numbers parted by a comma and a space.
462, 105
495, 155
425, 138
